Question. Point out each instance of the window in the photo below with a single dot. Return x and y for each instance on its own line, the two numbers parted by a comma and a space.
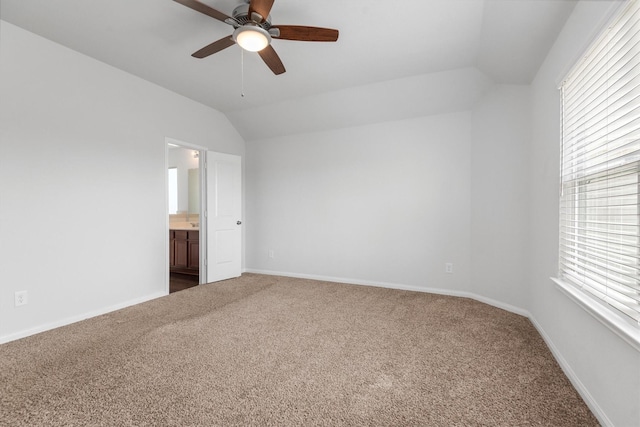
173, 190
600, 200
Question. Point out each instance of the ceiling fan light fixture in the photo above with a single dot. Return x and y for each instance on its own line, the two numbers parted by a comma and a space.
252, 37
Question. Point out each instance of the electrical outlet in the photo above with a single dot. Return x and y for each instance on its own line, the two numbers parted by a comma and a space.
21, 298
272, 253
448, 268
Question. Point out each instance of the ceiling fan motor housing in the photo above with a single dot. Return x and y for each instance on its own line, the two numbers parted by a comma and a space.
241, 15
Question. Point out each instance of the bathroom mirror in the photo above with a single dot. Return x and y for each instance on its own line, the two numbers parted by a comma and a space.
184, 163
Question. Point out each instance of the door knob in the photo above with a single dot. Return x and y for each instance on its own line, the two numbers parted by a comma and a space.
239, 222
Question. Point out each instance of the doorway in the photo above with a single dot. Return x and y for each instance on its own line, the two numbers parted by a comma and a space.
204, 216
184, 207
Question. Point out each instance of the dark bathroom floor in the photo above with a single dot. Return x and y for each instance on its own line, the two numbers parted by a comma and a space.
180, 282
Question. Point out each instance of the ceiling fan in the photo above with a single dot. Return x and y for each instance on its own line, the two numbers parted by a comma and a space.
253, 31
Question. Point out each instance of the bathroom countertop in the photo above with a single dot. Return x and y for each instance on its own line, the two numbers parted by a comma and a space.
184, 225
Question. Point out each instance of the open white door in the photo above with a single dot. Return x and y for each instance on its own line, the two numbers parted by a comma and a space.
224, 209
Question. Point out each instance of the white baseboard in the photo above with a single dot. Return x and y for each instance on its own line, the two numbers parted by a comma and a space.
438, 291
74, 319
579, 386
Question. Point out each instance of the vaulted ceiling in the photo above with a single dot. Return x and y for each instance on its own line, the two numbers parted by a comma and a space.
401, 58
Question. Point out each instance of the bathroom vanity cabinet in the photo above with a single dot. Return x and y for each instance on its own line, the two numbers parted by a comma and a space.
184, 251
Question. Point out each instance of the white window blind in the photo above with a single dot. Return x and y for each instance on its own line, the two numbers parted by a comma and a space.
600, 201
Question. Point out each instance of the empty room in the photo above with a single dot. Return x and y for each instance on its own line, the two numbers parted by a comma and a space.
230, 212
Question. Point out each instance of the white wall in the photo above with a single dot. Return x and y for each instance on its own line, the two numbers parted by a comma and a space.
605, 368
385, 203
391, 203
82, 181
499, 195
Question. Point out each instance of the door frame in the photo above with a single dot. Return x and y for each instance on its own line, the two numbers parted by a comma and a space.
203, 204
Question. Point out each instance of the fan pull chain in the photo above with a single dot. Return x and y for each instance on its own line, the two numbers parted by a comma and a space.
242, 72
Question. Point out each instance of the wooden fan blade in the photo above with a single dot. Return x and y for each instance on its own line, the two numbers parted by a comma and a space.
271, 58
306, 34
214, 47
203, 8
261, 7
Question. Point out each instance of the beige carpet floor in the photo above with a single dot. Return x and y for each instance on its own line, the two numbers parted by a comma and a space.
263, 350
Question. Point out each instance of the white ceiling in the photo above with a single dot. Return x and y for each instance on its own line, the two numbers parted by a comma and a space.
384, 46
